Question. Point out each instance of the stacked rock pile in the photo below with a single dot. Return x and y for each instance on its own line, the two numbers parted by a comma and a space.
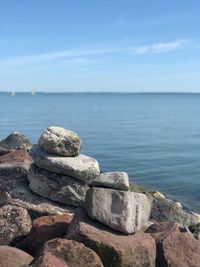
62, 174
110, 227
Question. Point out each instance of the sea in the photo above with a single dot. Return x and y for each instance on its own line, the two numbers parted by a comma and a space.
155, 137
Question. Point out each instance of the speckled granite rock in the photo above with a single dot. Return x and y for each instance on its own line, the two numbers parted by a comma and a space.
59, 141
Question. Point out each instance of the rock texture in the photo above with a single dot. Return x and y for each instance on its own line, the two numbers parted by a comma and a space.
124, 211
13, 257
62, 189
164, 209
114, 180
14, 141
44, 229
81, 167
15, 223
114, 249
59, 141
14, 191
195, 229
64, 253
17, 161
176, 247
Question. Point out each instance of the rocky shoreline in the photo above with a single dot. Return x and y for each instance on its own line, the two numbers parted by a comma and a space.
57, 209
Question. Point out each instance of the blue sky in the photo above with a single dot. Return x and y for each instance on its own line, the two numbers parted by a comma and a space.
100, 45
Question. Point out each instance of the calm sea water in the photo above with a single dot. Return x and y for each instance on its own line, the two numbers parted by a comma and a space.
153, 137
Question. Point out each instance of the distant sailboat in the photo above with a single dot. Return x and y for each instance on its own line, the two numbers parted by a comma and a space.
13, 93
33, 92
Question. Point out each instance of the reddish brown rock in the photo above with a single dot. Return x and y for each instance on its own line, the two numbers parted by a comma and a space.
14, 141
114, 249
17, 161
13, 257
44, 229
176, 247
66, 253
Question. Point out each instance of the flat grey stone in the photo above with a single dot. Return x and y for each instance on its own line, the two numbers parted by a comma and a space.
81, 167
114, 180
62, 189
59, 141
124, 211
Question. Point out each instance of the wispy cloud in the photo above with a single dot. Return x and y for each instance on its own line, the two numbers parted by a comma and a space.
162, 47
78, 55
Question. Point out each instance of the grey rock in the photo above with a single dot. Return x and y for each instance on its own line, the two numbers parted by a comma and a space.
81, 167
15, 223
59, 141
195, 230
62, 189
14, 141
124, 211
14, 190
114, 180
164, 209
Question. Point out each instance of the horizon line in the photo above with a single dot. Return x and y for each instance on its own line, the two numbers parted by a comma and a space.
98, 92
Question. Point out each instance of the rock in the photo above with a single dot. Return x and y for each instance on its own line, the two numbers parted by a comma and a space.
44, 229
59, 141
81, 167
114, 180
36, 205
63, 253
176, 247
14, 190
62, 189
17, 161
195, 230
164, 209
124, 211
13, 257
15, 223
114, 249
15, 141
157, 194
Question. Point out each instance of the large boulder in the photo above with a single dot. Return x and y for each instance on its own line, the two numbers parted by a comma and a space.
164, 209
14, 141
16, 161
62, 189
15, 223
124, 211
13, 257
59, 141
44, 229
66, 253
114, 249
81, 167
114, 180
176, 247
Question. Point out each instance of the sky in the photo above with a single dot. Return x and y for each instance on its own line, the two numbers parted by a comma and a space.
100, 45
